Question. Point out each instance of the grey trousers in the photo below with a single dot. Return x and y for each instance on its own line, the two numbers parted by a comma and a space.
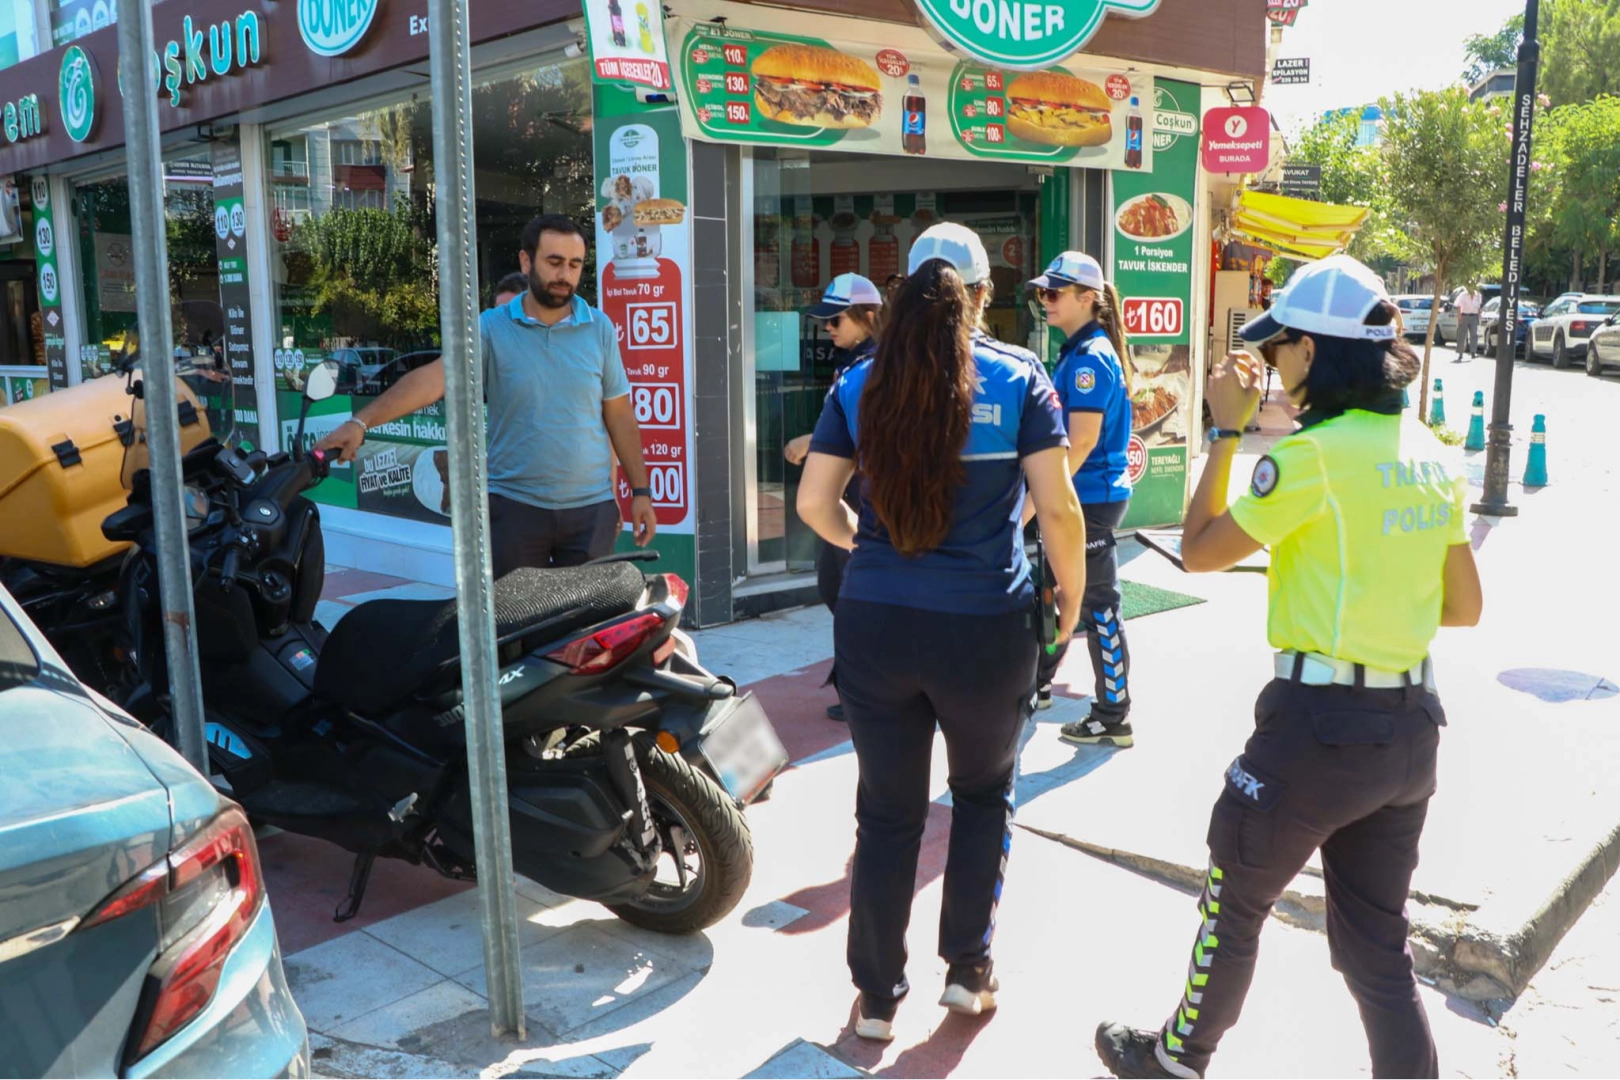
524, 535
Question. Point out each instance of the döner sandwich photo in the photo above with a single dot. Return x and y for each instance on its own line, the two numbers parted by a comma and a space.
808, 86
1055, 109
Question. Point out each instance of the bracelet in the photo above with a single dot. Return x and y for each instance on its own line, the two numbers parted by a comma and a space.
641, 493
1217, 434
365, 428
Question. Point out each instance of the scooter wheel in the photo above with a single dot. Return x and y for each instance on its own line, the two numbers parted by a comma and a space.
701, 826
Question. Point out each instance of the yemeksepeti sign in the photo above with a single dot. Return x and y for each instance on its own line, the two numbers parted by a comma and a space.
1024, 34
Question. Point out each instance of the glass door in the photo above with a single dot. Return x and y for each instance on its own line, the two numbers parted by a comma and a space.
815, 215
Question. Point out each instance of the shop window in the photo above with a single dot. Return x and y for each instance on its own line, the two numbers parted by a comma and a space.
820, 214
106, 256
353, 254
18, 38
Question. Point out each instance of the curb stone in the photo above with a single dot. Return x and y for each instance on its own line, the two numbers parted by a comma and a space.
1459, 948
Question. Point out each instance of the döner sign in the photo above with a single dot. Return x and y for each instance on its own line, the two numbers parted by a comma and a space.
333, 27
1023, 34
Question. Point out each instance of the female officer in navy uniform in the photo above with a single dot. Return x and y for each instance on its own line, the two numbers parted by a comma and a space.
1363, 509
1094, 382
936, 618
850, 309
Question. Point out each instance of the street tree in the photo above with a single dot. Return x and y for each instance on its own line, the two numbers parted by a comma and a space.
1492, 52
1582, 144
1352, 175
1447, 175
1580, 49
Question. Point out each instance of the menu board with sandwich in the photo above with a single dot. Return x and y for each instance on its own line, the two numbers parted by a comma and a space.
823, 82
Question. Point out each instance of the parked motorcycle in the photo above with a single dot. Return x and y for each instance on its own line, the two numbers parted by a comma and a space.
628, 764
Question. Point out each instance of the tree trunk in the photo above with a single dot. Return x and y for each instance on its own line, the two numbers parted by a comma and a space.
1603, 268
1428, 342
1574, 271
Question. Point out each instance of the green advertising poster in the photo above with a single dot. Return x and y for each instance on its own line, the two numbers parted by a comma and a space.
50, 284
1154, 234
821, 82
644, 268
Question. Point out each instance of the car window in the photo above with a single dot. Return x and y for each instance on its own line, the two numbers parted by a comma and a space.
1560, 307
1600, 307
18, 664
1493, 307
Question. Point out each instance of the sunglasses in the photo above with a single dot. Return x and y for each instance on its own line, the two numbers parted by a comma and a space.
834, 323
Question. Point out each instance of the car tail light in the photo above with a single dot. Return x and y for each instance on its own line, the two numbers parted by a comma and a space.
206, 892
609, 646
1581, 327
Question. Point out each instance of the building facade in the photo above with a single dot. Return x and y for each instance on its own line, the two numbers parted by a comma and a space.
299, 194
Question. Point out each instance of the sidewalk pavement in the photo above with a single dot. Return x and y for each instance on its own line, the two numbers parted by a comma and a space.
1523, 802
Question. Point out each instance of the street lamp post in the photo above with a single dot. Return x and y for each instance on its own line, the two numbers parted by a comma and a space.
1501, 432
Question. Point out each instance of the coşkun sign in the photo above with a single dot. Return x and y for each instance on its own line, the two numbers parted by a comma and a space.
1023, 35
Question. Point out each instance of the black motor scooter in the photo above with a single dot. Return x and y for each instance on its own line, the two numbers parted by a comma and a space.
628, 764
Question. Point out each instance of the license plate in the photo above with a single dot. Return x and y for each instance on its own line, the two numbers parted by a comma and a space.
744, 750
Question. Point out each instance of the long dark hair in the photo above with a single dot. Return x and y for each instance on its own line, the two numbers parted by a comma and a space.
1111, 317
1350, 373
917, 407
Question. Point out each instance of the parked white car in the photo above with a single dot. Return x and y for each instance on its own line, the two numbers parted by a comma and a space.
1565, 325
1415, 311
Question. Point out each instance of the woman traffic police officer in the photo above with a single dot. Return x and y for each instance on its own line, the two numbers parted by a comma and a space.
935, 620
1364, 511
1094, 382
850, 309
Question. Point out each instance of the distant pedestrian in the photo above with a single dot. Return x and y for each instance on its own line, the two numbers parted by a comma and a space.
935, 623
509, 288
1094, 384
1469, 305
559, 409
1365, 514
850, 309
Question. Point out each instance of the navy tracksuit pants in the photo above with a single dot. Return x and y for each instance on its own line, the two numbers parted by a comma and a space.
901, 672
1100, 616
1348, 772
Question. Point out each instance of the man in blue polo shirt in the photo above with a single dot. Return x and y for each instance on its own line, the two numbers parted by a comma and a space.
559, 409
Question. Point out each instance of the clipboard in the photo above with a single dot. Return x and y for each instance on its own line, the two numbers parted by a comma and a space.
1167, 542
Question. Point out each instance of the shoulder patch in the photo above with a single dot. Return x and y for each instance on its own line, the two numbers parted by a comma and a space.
1266, 475
1084, 380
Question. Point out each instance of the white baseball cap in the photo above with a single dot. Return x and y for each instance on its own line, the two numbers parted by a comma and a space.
956, 244
845, 292
1071, 268
1330, 298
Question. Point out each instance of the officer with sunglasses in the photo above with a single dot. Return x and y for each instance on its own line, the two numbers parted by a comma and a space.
850, 309
1365, 514
1093, 382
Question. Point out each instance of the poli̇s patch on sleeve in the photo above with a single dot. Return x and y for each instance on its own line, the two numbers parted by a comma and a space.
1265, 478
1084, 380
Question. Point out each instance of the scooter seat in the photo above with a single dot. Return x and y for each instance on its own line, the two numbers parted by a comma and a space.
384, 651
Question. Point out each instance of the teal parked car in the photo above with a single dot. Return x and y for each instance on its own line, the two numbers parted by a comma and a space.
135, 939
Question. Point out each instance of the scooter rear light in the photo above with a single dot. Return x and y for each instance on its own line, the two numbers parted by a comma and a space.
609, 646
207, 893
678, 591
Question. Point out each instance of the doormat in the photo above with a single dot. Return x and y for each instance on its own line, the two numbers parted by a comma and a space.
1140, 601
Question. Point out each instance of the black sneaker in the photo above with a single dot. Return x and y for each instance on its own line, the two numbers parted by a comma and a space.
1043, 698
836, 712
1089, 732
874, 1018
970, 989
1132, 1052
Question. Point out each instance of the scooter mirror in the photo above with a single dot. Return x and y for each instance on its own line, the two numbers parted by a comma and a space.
322, 382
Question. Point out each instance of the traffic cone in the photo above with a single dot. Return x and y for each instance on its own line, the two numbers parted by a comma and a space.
1437, 406
1476, 424
1406, 398
1535, 469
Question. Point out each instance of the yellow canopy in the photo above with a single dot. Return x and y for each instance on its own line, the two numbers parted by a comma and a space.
1298, 227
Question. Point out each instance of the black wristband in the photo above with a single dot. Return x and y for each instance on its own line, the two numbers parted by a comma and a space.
641, 493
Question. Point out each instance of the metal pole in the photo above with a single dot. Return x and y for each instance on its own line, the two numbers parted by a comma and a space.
1499, 447
144, 153
450, 68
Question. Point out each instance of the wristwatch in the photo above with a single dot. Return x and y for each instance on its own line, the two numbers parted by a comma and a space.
641, 493
1216, 434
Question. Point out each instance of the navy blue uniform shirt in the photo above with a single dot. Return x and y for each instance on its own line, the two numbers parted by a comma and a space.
1090, 378
980, 568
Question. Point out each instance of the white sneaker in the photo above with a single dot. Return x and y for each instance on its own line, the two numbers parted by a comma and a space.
877, 1027
970, 989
